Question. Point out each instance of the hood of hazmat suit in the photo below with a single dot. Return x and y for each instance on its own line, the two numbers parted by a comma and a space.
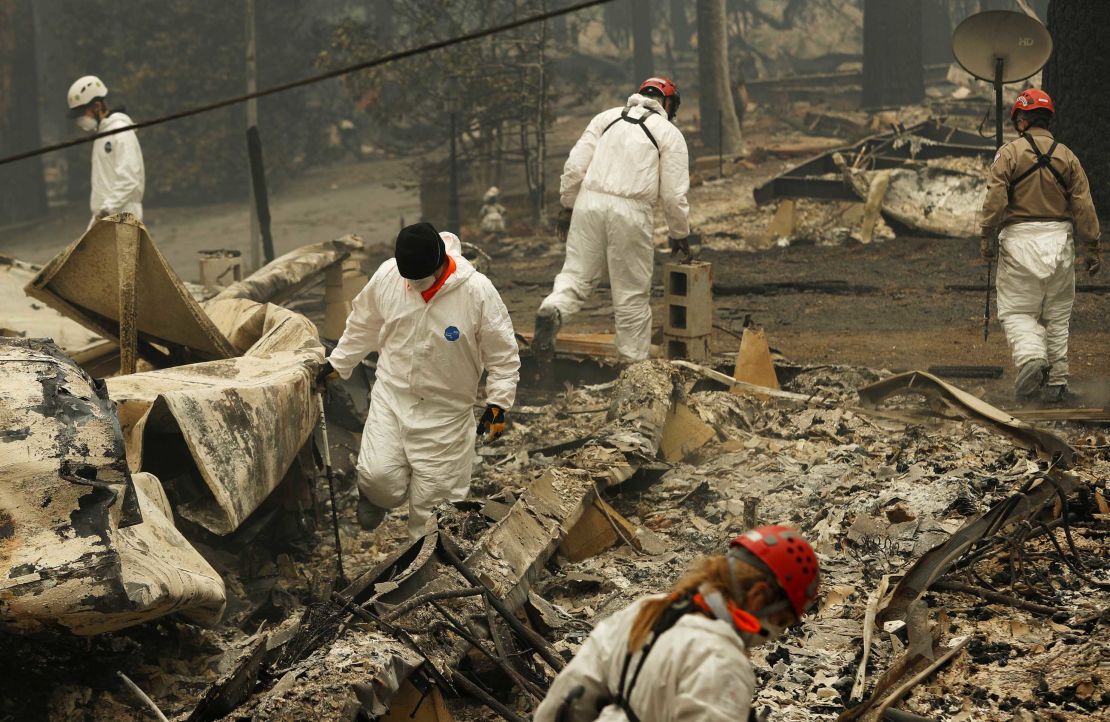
418, 443
118, 175
697, 670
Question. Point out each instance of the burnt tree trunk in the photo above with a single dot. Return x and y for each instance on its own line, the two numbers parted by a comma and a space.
936, 32
22, 185
719, 125
893, 73
640, 12
1078, 79
680, 25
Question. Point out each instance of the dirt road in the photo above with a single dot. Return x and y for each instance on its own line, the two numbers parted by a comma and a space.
367, 198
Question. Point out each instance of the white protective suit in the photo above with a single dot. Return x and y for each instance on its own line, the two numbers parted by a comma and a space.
118, 176
613, 180
696, 671
1036, 292
418, 443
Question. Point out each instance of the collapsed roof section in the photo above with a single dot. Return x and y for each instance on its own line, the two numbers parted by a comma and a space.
223, 434
86, 546
84, 282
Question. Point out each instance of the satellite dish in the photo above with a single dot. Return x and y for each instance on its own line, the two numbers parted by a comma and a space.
1019, 41
1001, 46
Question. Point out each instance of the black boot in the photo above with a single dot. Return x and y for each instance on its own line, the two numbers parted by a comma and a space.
370, 516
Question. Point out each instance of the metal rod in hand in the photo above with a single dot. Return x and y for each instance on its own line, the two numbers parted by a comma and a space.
341, 579
987, 303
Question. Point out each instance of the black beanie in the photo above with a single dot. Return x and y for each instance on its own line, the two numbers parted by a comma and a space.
420, 251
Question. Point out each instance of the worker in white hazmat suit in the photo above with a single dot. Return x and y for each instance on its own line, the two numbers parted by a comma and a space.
118, 175
1038, 201
629, 159
437, 324
683, 656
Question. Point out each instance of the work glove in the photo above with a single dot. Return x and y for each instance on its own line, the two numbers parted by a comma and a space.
987, 248
1093, 261
493, 422
324, 375
681, 246
562, 223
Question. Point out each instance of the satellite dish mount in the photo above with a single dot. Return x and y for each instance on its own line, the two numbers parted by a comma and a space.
1001, 46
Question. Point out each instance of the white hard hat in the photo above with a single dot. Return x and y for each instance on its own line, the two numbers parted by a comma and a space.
492, 193
84, 91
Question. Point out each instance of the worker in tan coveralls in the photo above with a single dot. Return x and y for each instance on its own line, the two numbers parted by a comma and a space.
1037, 200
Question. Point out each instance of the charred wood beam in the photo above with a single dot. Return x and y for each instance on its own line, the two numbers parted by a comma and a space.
970, 407
832, 287
947, 585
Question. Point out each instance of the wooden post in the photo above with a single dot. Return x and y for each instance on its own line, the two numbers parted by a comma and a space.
261, 197
127, 264
453, 215
252, 121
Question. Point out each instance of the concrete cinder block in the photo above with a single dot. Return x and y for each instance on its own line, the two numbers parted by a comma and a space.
219, 268
695, 349
337, 304
688, 299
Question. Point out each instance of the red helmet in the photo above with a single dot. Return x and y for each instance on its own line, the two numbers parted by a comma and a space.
1032, 99
663, 85
790, 558
667, 88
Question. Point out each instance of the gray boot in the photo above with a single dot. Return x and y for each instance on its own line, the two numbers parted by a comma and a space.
1059, 395
1030, 378
370, 516
548, 323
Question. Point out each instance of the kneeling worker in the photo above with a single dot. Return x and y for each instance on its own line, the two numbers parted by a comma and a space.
438, 324
1038, 194
684, 655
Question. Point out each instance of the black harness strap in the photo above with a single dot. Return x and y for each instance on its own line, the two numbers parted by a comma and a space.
667, 619
1044, 160
635, 121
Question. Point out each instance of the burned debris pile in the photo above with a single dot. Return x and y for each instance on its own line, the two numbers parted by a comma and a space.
961, 547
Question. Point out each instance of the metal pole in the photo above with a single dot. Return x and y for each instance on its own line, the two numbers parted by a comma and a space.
999, 67
252, 122
453, 191
341, 578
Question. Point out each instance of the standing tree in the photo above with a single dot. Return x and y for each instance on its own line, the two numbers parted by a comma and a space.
718, 115
1078, 79
680, 25
22, 187
497, 89
936, 32
642, 16
893, 73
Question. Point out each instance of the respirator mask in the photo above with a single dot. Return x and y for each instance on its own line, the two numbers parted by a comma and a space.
423, 284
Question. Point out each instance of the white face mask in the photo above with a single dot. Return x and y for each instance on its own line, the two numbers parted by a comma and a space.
423, 284
87, 124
